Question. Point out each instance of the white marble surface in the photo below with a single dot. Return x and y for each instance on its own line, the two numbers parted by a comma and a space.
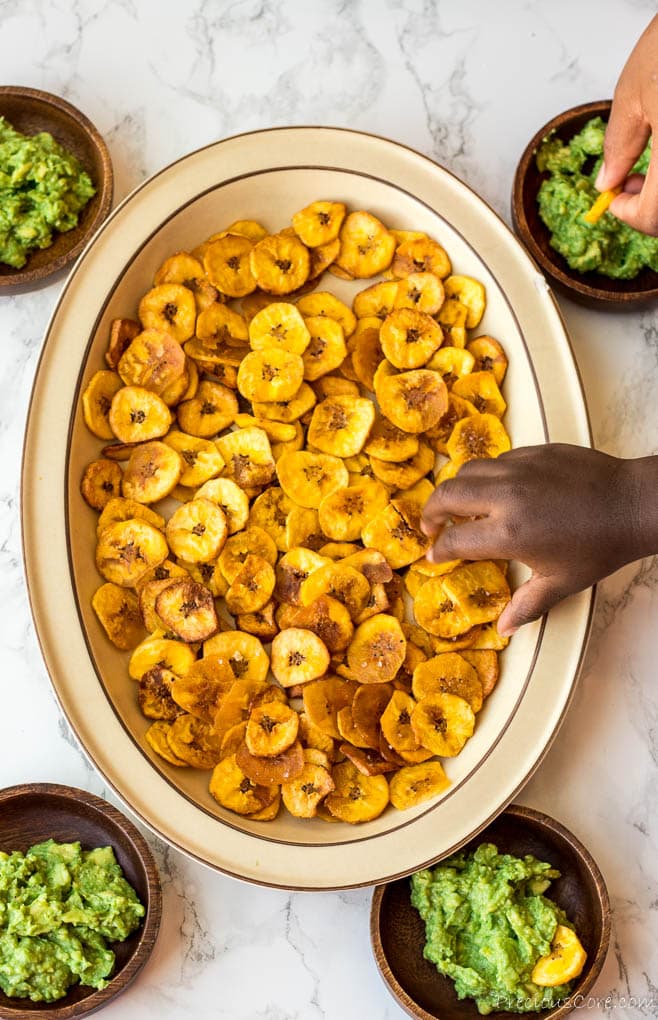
466, 81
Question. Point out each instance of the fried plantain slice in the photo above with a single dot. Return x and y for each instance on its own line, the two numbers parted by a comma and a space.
220, 326
323, 700
443, 723
248, 457
471, 294
298, 656
270, 511
127, 549
485, 663
201, 458
389, 443
421, 291
367, 356
481, 389
479, 590
287, 411
100, 483
321, 258
188, 610
118, 612
414, 784
345, 584
174, 656
341, 425
436, 612
420, 255
213, 408
366, 246
169, 308
372, 564
153, 360
303, 794
261, 623
307, 478
246, 228
197, 531
414, 401
418, 493
396, 533
152, 473
319, 223
118, 451
326, 348
448, 673
489, 356
184, 269
334, 386
156, 738
303, 529
279, 325
409, 338
273, 770
348, 731
253, 541
97, 400
323, 303
477, 436
314, 756
329, 619
233, 739
271, 729
458, 408
148, 592
244, 653
138, 415
252, 588
367, 760
154, 695
227, 264
377, 649
395, 722
357, 797
270, 375
292, 570
231, 788
452, 363
344, 514
201, 691
120, 509
280, 263
370, 701
378, 300
122, 333
404, 474
313, 738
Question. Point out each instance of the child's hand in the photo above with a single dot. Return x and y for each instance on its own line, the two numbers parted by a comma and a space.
634, 116
571, 514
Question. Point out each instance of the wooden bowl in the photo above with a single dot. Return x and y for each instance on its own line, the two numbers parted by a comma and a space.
35, 812
398, 933
591, 289
31, 111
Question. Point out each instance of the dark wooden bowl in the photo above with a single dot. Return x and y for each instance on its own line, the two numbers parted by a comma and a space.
31, 111
35, 812
591, 289
398, 933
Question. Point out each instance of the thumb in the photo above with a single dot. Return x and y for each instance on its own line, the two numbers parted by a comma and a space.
626, 136
529, 602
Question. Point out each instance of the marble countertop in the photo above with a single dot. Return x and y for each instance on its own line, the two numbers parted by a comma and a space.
467, 82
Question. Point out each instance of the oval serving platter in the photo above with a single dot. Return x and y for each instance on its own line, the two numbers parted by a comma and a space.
267, 176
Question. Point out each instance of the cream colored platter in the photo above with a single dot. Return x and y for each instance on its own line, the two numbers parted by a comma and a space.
267, 176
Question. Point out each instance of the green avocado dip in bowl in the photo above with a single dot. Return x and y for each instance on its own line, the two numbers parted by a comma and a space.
601, 265
462, 938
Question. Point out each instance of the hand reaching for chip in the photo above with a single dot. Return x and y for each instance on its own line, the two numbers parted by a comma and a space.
572, 515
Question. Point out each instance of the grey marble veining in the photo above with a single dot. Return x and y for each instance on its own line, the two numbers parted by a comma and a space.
466, 82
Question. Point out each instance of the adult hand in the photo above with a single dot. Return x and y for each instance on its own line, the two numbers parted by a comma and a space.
633, 118
572, 514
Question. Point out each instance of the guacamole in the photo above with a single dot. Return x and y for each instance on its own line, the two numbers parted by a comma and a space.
59, 907
42, 189
609, 246
487, 923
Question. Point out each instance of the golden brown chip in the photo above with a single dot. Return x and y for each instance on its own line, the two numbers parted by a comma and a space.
377, 649
481, 389
248, 457
122, 333
329, 619
344, 514
324, 303
213, 408
395, 722
489, 357
97, 400
409, 338
279, 325
319, 223
485, 664
414, 784
404, 474
123, 510
201, 458
341, 425
477, 436
323, 700
436, 612
156, 738
231, 500
270, 511
348, 731
479, 590
448, 673
298, 656
367, 356
154, 694
153, 360
471, 294
262, 623
378, 300
227, 265
287, 410
127, 549
188, 610
201, 691
345, 584
271, 729
420, 255
183, 268
153, 471
273, 770
321, 258
366, 246
307, 478
440, 434
414, 401
233, 790
370, 701
100, 483
357, 797
396, 533
443, 723
252, 587
197, 531
367, 760
280, 263
170, 308
118, 612
253, 541
326, 348
220, 325
292, 570
244, 653
174, 656
389, 443
421, 291
452, 363
270, 375
137, 415
303, 794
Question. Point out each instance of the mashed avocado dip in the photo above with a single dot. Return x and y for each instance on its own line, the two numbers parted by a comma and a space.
58, 906
42, 189
609, 247
487, 925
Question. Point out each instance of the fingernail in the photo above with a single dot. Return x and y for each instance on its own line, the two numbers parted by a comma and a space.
430, 556
600, 182
507, 631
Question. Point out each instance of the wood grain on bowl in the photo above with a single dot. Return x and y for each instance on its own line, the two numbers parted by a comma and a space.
397, 931
31, 111
591, 289
36, 812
